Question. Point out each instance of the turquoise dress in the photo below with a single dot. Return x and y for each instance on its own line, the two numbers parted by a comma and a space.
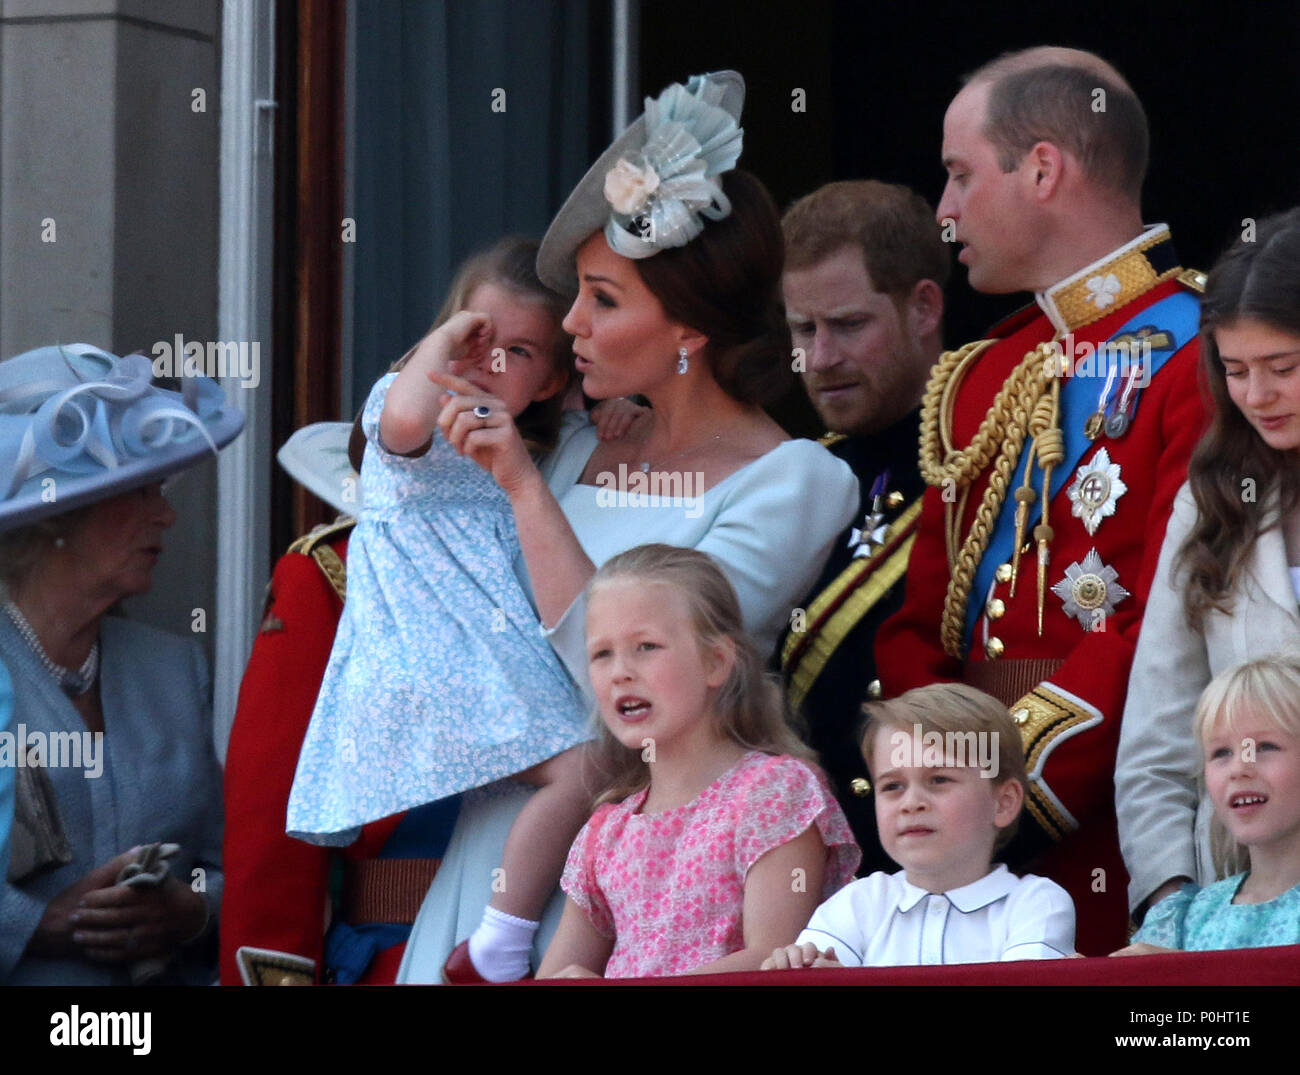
1206, 920
440, 679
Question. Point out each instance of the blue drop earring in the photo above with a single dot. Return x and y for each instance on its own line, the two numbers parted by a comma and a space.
683, 363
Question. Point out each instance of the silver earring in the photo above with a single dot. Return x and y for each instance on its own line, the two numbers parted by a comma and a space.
59, 542
683, 364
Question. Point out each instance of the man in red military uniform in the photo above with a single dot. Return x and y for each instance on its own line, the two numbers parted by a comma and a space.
282, 920
1054, 449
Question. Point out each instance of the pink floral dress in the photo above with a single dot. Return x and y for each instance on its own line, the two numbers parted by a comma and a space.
670, 887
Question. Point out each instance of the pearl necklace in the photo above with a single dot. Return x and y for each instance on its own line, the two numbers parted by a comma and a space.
71, 683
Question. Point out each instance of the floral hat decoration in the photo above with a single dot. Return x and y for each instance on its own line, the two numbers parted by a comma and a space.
656, 185
78, 424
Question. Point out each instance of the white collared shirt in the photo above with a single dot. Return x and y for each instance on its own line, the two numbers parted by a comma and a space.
883, 921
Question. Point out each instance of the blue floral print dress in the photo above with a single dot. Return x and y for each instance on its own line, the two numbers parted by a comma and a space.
440, 678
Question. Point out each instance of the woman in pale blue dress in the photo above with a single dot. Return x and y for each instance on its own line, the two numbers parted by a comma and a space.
675, 259
118, 711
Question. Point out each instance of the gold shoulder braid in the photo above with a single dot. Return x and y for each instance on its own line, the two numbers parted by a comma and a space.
1015, 414
322, 534
333, 568
316, 544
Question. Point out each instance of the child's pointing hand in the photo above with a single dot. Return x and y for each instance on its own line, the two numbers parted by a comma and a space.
478, 426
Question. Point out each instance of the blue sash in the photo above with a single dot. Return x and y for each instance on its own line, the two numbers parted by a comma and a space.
1178, 315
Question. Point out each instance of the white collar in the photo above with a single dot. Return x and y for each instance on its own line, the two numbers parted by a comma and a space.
993, 886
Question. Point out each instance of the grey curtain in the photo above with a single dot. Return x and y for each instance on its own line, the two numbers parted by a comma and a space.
438, 172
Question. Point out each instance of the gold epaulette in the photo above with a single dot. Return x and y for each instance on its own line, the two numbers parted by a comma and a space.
316, 544
828, 439
323, 534
1192, 279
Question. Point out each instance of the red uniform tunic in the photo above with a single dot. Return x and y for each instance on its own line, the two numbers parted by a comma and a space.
277, 893
1066, 688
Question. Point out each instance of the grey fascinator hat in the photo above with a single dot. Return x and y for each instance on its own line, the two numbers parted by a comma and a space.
656, 185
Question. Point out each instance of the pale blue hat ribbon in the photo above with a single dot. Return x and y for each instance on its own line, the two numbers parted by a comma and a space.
80, 410
659, 194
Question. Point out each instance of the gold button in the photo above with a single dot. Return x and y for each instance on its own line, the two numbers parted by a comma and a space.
994, 648
860, 787
997, 609
894, 499
1003, 573
874, 690
1021, 715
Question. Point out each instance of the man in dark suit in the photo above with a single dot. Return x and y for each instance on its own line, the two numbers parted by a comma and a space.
863, 284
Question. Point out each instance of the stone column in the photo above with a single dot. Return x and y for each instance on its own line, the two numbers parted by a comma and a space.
109, 210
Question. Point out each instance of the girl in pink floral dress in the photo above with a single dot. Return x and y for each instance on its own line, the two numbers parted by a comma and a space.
714, 839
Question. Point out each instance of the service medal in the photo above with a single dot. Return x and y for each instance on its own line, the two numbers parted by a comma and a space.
875, 530
874, 533
1095, 489
1090, 591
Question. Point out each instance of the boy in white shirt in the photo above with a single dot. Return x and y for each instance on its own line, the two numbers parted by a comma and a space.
949, 774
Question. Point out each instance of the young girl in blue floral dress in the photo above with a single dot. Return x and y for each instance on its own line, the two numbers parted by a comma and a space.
440, 679
1248, 725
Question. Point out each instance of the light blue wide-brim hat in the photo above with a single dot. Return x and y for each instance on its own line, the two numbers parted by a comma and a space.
78, 424
316, 457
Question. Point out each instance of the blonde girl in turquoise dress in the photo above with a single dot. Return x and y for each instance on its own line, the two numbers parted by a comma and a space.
1248, 725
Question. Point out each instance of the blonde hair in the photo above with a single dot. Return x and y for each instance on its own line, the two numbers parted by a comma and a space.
1267, 687
953, 708
749, 708
511, 263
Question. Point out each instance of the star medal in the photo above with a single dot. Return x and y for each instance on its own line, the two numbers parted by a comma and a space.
1095, 489
1090, 591
874, 530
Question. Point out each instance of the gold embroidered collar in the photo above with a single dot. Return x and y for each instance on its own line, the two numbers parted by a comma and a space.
1106, 284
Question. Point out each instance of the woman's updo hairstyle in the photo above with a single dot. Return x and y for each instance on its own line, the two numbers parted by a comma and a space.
726, 284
